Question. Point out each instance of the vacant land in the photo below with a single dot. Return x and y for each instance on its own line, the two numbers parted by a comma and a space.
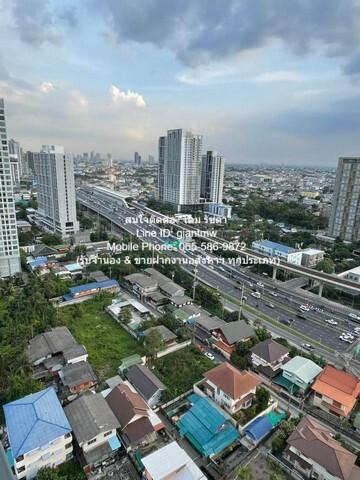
180, 370
105, 341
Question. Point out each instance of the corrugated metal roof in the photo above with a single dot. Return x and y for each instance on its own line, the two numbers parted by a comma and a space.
34, 421
93, 286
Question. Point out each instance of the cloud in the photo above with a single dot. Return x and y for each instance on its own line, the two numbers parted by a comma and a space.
47, 87
280, 76
127, 96
78, 98
198, 31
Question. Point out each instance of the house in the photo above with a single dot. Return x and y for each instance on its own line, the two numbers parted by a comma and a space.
94, 426
312, 450
268, 357
166, 286
278, 250
297, 375
146, 383
78, 377
39, 433
142, 284
171, 461
90, 289
336, 392
228, 335
205, 427
132, 413
188, 314
230, 388
53, 349
180, 301
168, 337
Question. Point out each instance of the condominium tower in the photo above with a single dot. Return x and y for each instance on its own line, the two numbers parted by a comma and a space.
212, 177
9, 245
54, 174
345, 216
180, 168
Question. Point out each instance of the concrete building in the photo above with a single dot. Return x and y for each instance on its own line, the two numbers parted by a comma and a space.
15, 155
9, 245
273, 249
353, 274
137, 159
39, 433
219, 210
212, 177
54, 174
311, 257
345, 216
268, 357
180, 168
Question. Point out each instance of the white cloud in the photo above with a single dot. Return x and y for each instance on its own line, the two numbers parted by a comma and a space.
79, 99
47, 87
279, 76
127, 96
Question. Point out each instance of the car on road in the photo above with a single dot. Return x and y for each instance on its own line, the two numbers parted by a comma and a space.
346, 339
331, 321
285, 321
210, 356
274, 294
307, 346
305, 308
259, 284
354, 316
250, 284
256, 294
301, 315
271, 305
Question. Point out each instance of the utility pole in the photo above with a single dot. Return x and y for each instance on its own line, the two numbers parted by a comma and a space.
194, 283
241, 301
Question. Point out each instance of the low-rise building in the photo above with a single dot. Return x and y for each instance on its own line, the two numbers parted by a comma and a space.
336, 392
172, 462
90, 289
228, 335
278, 250
94, 426
231, 388
78, 377
298, 374
39, 433
268, 357
146, 383
353, 275
167, 336
313, 452
311, 257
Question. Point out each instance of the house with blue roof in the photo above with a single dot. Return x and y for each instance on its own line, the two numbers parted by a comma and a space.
92, 288
278, 250
39, 433
207, 428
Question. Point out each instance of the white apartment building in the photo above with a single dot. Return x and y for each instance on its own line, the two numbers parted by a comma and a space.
212, 177
273, 249
39, 433
180, 168
9, 245
54, 174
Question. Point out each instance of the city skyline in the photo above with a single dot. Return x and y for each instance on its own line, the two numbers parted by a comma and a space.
117, 86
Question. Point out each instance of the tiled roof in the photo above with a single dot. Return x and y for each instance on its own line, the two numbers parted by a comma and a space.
269, 350
231, 381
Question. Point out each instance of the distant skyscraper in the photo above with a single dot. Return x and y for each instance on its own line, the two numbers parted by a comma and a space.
151, 159
54, 173
345, 216
15, 161
137, 159
9, 246
212, 177
180, 168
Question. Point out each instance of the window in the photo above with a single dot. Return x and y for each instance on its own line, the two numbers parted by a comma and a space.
91, 441
106, 434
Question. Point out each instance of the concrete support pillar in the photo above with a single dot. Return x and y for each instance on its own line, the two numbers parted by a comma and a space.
274, 273
321, 286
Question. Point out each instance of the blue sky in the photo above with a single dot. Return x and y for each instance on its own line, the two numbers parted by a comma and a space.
264, 83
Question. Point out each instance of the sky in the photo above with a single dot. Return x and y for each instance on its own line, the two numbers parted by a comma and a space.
265, 81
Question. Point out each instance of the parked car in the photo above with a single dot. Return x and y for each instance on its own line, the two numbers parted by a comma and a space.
210, 356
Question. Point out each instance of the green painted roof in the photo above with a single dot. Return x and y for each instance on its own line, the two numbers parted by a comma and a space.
306, 370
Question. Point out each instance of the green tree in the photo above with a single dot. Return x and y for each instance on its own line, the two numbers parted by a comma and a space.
125, 315
243, 473
278, 444
262, 398
326, 265
153, 343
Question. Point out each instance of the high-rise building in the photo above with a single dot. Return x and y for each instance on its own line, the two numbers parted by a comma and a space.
212, 177
345, 216
54, 174
9, 245
137, 159
15, 156
151, 159
180, 168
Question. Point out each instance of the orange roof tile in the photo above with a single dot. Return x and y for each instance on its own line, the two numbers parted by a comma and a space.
231, 381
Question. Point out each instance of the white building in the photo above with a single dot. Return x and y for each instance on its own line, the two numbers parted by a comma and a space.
39, 433
15, 155
353, 275
9, 245
54, 173
212, 177
180, 168
219, 210
171, 462
273, 249
311, 257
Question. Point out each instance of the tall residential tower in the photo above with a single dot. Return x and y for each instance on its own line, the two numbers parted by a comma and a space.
180, 168
9, 245
212, 177
54, 174
345, 216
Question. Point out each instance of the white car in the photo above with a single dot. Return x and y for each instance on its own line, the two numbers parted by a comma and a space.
255, 294
209, 355
274, 294
307, 346
330, 321
259, 284
304, 308
346, 339
354, 316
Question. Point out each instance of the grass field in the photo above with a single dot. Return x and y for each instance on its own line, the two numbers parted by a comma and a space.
180, 370
105, 341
